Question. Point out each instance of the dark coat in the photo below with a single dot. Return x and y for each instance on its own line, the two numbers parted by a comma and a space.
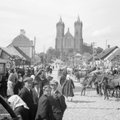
35, 96
42, 83
23, 112
44, 111
58, 104
67, 88
27, 97
18, 86
35, 99
62, 79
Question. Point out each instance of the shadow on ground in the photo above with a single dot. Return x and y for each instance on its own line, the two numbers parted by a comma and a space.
77, 101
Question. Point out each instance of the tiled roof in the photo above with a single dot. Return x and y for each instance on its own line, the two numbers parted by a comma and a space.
115, 54
106, 52
12, 52
23, 54
21, 41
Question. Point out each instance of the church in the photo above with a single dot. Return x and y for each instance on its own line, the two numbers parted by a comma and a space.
66, 41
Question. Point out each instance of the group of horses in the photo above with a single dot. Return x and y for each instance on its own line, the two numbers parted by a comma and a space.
105, 83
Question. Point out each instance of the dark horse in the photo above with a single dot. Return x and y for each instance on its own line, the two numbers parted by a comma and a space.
111, 84
87, 83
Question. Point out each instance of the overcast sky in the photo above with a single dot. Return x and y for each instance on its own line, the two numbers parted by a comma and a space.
101, 20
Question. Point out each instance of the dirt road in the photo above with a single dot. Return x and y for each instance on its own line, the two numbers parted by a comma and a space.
91, 106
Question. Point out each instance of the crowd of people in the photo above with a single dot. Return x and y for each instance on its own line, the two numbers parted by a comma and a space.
34, 95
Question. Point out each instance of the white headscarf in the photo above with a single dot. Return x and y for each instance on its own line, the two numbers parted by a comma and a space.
16, 101
68, 77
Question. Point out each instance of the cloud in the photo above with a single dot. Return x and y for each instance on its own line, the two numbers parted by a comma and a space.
101, 32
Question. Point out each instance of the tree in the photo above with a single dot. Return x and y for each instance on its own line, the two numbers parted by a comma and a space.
99, 50
42, 56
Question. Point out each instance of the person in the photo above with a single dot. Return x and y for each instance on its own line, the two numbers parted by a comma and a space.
68, 86
11, 83
19, 84
19, 107
27, 97
40, 76
44, 111
57, 101
36, 94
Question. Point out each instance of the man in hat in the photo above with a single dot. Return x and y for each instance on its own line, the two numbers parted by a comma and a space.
44, 111
27, 97
57, 101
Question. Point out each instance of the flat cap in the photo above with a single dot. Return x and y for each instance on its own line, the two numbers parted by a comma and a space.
46, 87
27, 79
54, 82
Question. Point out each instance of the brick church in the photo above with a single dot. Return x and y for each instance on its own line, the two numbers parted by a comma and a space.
66, 41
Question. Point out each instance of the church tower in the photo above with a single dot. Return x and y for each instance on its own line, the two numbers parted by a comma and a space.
59, 35
78, 40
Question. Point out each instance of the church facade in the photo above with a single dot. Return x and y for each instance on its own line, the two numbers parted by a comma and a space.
66, 41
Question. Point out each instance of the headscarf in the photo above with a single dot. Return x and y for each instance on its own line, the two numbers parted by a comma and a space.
16, 101
68, 77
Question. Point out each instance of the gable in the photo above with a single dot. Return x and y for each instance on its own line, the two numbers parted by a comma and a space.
21, 41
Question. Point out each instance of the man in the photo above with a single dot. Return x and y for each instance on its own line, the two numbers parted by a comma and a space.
44, 111
36, 93
57, 101
40, 76
26, 95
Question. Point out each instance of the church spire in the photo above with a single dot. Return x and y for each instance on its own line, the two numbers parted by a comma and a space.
68, 30
78, 19
60, 19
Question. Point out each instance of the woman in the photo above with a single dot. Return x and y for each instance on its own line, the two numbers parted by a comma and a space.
68, 86
19, 84
19, 107
10, 83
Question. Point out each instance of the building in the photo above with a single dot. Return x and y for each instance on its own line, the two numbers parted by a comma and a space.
24, 44
66, 41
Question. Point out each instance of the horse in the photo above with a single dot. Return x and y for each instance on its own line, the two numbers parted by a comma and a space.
87, 83
111, 84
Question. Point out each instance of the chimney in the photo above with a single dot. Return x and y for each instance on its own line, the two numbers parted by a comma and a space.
108, 46
22, 31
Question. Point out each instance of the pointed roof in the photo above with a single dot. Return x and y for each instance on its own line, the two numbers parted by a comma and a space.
23, 54
60, 22
78, 19
107, 52
60, 19
68, 34
12, 52
21, 41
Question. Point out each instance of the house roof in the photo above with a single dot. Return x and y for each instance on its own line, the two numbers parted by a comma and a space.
12, 52
115, 54
21, 41
106, 52
23, 54
16, 52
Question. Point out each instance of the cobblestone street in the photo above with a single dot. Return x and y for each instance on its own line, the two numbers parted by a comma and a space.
91, 106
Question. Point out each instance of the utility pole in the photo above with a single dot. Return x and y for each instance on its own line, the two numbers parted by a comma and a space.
93, 47
106, 44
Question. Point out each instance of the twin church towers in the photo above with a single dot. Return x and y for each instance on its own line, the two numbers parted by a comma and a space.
65, 41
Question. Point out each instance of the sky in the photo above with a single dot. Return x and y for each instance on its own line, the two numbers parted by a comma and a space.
101, 20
